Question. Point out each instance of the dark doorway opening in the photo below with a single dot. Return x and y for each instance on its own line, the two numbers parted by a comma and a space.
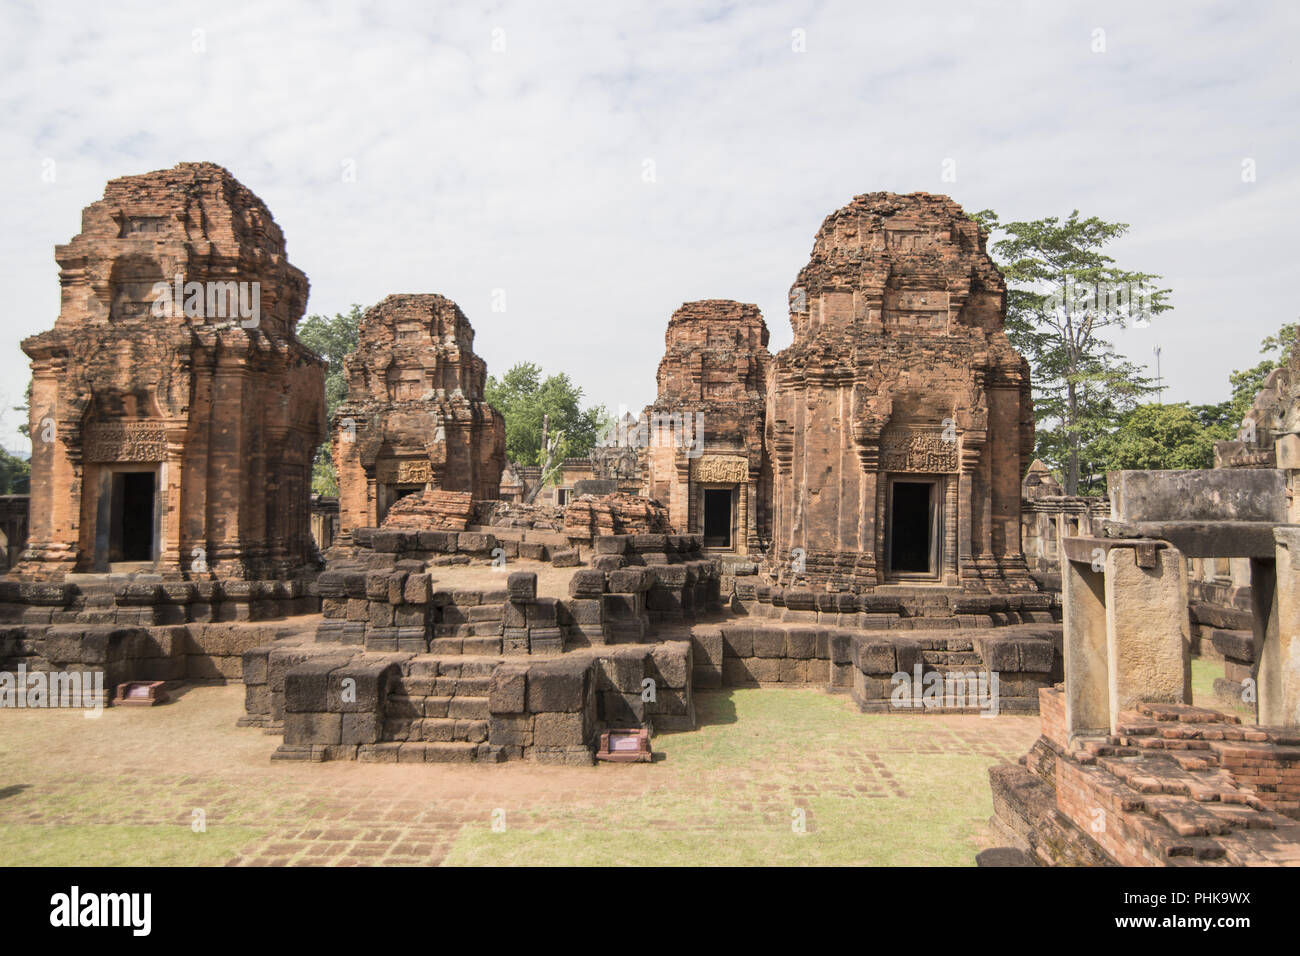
717, 517
403, 492
131, 533
390, 495
911, 527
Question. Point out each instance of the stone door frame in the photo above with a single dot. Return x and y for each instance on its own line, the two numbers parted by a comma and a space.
736, 529
938, 495
102, 557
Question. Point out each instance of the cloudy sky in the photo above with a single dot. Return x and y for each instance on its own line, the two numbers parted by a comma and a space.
603, 162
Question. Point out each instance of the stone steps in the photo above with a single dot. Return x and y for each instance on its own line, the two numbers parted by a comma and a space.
955, 660
452, 752
450, 730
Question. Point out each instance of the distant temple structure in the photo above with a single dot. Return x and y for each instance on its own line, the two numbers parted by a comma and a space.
415, 417
705, 457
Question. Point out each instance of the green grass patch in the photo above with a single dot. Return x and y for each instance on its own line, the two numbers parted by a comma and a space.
1204, 674
111, 845
733, 789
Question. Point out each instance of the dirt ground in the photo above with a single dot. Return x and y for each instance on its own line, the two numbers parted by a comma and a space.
771, 777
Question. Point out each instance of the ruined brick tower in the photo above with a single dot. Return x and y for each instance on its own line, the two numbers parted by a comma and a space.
415, 417
706, 459
174, 414
899, 422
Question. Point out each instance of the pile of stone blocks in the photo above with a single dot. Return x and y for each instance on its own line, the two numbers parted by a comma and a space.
345, 703
386, 547
532, 623
995, 671
400, 610
1176, 785
654, 580
588, 517
614, 551
545, 710
334, 705
433, 509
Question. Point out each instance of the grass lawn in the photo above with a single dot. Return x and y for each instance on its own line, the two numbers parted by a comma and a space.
770, 777
872, 790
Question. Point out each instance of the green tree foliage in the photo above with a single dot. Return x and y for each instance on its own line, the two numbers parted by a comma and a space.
25, 428
333, 339
524, 398
1164, 436
15, 474
1247, 382
1064, 299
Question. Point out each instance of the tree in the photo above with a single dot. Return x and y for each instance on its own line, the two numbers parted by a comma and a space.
1064, 297
24, 427
333, 339
1156, 436
15, 474
523, 398
1247, 383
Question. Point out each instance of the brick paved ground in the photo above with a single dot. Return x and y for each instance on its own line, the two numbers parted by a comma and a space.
125, 788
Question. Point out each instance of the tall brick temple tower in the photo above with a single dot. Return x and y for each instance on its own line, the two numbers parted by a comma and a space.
711, 385
174, 414
415, 417
899, 422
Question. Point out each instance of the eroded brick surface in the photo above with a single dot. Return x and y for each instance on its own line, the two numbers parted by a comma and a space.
899, 368
174, 355
415, 416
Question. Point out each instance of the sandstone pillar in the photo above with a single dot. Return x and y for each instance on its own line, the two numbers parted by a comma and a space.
1127, 630
1277, 631
1087, 687
1148, 630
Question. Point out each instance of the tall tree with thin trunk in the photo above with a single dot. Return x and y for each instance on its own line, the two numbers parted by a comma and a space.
1065, 297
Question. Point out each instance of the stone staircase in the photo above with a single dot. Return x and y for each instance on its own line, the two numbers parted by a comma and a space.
439, 712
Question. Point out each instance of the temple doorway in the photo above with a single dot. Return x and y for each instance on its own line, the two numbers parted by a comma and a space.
718, 519
133, 511
912, 537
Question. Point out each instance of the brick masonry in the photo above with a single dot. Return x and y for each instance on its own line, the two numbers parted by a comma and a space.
1176, 786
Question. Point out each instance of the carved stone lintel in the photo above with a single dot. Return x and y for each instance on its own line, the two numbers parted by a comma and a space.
722, 469
404, 471
125, 441
918, 451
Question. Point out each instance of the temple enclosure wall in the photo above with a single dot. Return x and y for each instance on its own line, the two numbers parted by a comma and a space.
1126, 770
